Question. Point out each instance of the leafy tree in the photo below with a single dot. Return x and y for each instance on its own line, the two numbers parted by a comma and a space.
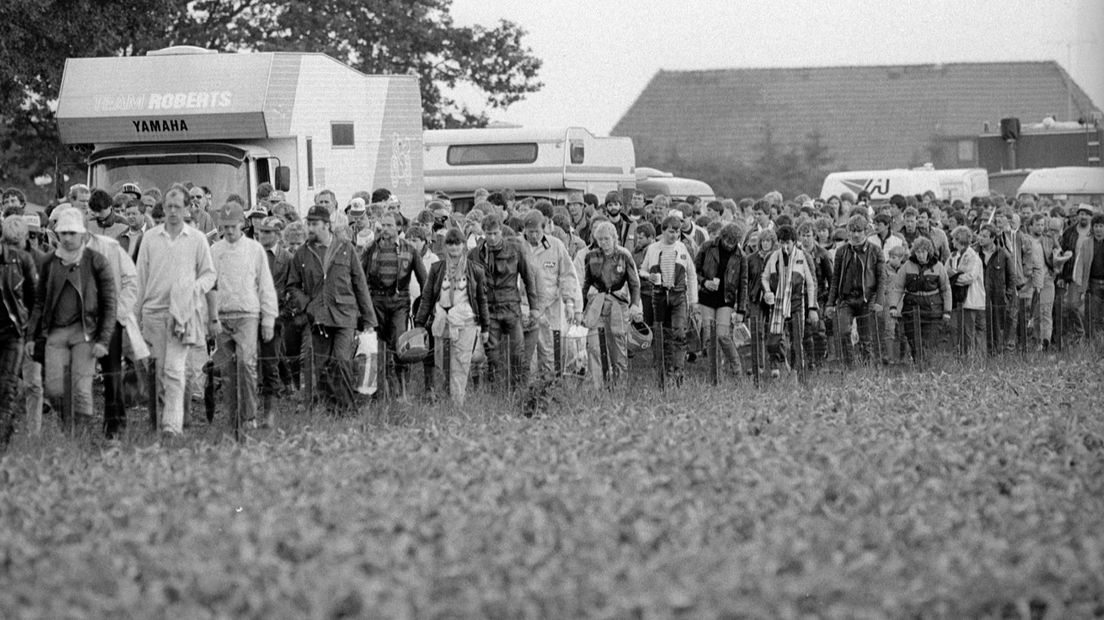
380, 36
40, 35
790, 169
374, 36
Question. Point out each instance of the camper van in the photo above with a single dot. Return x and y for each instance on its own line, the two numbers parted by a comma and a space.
303, 122
546, 163
655, 182
1072, 183
882, 184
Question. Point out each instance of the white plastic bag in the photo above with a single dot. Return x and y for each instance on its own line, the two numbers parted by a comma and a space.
574, 350
365, 362
134, 344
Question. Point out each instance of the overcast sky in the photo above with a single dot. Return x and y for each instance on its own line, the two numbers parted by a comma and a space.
600, 54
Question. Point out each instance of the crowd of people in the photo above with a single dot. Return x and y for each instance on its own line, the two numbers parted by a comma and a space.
510, 291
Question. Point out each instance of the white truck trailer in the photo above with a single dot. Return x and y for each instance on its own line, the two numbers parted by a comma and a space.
302, 121
540, 162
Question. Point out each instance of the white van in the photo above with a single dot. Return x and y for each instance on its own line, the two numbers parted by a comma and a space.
882, 184
301, 121
540, 162
1072, 183
655, 182
963, 183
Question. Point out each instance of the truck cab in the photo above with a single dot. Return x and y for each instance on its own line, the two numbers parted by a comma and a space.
227, 168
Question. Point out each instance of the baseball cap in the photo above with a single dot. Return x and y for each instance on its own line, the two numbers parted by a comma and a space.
276, 196
271, 223
33, 221
318, 212
357, 206
70, 220
259, 210
132, 189
575, 197
230, 214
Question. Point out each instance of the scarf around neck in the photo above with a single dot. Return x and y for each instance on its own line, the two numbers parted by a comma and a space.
456, 268
782, 306
69, 258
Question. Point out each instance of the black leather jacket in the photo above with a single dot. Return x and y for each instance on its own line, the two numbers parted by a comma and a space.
18, 285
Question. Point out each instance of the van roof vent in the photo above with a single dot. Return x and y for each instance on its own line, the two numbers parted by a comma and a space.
180, 50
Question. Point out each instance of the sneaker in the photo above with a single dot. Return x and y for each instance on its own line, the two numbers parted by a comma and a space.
775, 373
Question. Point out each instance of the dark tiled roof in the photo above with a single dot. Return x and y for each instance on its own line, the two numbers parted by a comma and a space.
870, 117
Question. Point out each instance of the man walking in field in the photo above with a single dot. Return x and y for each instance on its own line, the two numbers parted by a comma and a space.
246, 299
18, 284
505, 263
327, 280
175, 273
389, 263
559, 295
670, 267
858, 285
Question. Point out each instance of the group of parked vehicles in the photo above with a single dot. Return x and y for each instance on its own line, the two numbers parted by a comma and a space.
304, 122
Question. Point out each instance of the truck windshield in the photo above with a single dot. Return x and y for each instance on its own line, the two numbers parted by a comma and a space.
219, 174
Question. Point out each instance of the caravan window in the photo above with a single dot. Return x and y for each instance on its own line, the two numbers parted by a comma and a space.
483, 154
341, 134
577, 152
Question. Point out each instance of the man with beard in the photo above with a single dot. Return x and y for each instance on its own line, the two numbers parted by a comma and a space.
328, 281
624, 227
389, 262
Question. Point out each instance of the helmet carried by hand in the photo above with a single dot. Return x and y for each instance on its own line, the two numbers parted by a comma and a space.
413, 345
640, 336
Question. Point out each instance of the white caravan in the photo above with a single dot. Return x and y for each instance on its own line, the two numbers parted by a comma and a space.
546, 163
1071, 183
302, 121
655, 182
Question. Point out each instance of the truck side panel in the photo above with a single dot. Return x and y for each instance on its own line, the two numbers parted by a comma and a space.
386, 115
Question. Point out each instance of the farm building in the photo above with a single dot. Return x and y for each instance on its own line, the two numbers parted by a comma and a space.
868, 117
